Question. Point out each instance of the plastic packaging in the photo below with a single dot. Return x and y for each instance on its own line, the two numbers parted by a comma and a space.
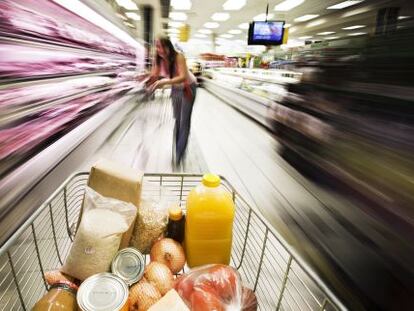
152, 218
213, 287
209, 223
98, 237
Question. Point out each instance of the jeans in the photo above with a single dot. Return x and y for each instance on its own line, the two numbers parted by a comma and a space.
182, 109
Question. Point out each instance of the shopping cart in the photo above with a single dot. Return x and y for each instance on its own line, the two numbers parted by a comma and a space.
280, 279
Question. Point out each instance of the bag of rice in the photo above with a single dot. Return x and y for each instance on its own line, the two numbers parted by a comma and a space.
152, 217
99, 235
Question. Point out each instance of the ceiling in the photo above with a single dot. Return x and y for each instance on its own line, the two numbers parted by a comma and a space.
327, 21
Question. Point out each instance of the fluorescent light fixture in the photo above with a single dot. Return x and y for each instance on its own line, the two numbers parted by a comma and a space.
227, 36
358, 11
357, 34
305, 37
306, 17
293, 29
287, 25
211, 25
181, 4
133, 16
122, 16
403, 17
262, 17
173, 30
178, 16
200, 35
343, 5
220, 17
316, 23
128, 4
175, 24
235, 31
233, 5
354, 27
326, 33
90, 15
288, 5
244, 26
332, 38
205, 31
130, 25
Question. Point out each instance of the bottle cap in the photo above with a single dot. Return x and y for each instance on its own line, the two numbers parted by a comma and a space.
175, 213
211, 180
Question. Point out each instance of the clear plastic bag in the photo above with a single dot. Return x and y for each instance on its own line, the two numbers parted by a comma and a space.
99, 235
215, 287
152, 217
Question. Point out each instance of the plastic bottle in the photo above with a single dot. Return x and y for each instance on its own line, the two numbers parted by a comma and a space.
209, 223
176, 224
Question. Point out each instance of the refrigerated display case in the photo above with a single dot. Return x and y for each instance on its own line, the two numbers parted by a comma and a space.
252, 91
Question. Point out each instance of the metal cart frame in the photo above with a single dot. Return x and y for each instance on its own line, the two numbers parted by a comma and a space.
267, 264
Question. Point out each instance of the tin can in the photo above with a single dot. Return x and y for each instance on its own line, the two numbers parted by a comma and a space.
129, 265
103, 292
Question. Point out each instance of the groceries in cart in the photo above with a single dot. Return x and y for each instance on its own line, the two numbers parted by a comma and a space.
130, 251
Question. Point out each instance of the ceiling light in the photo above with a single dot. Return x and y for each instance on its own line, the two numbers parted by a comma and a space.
287, 5
211, 25
128, 4
316, 23
358, 11
357, 34
181, 4
133, 16
205, 31
262, 17
403, 17
173, 30
178, 16
244, 26
306, 17
226, 36
130, 25
235, 31
293, 29
331, 38
175, 24
344, 4
354, 27
200, 35
84, 11
122, 16
287, 25
305, 37
325, 33
234, 5
220, 17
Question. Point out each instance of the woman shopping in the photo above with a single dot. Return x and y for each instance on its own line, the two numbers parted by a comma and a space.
169, 63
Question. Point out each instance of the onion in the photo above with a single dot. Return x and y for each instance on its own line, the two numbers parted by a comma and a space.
142, 296
55, 276
170, 253
249, 300
160, 276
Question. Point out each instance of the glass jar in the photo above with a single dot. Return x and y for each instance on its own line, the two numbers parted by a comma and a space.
60, 297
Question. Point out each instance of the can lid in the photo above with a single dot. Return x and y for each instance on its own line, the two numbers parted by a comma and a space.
175, 212
129, 265
102, 292
211, 180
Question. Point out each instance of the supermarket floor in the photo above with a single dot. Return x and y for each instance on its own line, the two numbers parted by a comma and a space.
225, 141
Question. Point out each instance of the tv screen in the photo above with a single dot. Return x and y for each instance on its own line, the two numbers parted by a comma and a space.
266, 33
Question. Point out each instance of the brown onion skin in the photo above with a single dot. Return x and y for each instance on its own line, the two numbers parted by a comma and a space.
170, 253
142, 296
249, 300
160, 276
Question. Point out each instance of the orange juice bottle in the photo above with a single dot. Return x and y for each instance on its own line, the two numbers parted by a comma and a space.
209, 223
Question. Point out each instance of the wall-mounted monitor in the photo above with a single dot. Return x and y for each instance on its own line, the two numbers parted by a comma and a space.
266, 33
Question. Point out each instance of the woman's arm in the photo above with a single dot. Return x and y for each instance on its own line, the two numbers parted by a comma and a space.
182, 71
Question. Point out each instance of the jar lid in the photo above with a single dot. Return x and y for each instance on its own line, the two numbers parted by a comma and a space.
175, 212
211, 180
103, 292
129, 265
65, 285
